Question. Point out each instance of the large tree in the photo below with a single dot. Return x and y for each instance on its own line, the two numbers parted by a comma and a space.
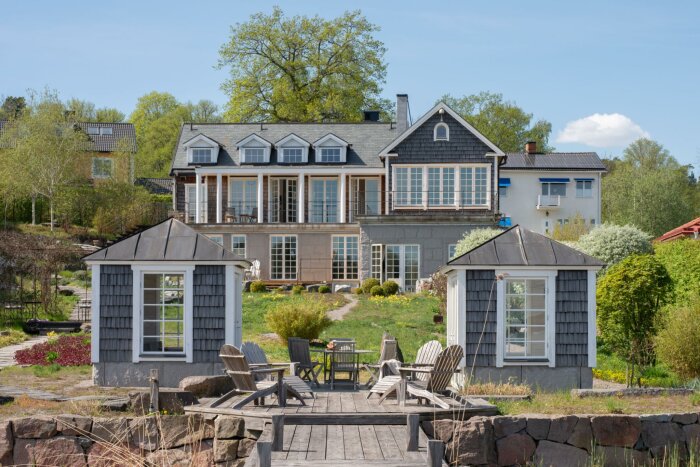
85, 111
204, 111
303, 69
12, 107
504, 123
648, 188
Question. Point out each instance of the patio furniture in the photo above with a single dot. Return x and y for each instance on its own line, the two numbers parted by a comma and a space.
230, 215
425, 358
387, 352
344, 359
244, 381
257, 359
437, 379
300, 354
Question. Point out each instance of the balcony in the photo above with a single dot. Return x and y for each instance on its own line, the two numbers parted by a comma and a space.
548, 201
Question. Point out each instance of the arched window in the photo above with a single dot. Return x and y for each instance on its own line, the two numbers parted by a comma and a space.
441, 132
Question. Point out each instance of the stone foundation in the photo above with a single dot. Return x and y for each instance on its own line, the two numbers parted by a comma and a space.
177, 440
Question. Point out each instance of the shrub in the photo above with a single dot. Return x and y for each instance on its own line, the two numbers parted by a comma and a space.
324, 289
357, 291
66, 350
377, 291
677, 343
390, 288
474, 238
682, 261
369, 283
292, 319
613, 243
80, 275
297, 289
258, 287
571, 231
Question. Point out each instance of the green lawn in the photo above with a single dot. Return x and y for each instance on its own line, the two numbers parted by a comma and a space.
611, 368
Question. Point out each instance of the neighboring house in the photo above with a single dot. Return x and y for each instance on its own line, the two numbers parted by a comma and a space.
156, 186
689, 230
165, 298
541, 191
523, 307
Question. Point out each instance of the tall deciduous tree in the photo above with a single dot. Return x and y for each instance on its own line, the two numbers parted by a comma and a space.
204, 111
12, 107
85, 111
109, 115
303, 69
504, 123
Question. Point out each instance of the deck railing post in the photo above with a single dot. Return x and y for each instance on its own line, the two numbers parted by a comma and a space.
412, 421
277, 432
153, 379
264, 453
436, 453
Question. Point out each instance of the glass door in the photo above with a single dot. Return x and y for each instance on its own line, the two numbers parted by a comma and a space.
324, 200
366, 197
191, 203
283, 200
403, 265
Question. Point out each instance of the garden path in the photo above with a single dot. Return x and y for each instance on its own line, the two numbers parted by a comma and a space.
7, 354
339, 313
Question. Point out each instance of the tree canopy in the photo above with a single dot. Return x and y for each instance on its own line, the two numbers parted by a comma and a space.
504, 123
303, 69
612, 243
85, 111
474, 238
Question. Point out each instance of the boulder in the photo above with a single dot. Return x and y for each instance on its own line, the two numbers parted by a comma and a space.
538, 426
20, 452
616, 430
549, 454
144, 433
245, 447
661, 438
34, 427
170, 400
73, 425
440, 429
110, 455
515, 449
116, 405
6, 443
685, 418
582, 436
60, 450
170, 457
472, 443
615, 456
225, 450
203, 454
560, 428
343, 289
226, 427
504, 426
110, 430
179, 430
692, 435
313, 287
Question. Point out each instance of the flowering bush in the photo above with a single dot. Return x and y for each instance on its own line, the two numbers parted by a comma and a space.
65, 350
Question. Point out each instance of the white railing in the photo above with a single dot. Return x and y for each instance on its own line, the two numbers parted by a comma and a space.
548, 201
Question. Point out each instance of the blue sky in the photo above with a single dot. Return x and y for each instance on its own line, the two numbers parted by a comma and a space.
601, 72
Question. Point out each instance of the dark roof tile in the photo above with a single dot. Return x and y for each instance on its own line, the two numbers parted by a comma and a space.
553, 161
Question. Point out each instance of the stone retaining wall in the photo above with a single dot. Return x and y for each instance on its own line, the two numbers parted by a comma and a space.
574, 440
173, 440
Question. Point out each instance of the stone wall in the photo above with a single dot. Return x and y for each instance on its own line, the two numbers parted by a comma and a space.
174, 440
573, 440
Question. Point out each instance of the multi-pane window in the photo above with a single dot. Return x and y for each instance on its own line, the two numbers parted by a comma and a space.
254, 155
201, 155
163, 323
502, 191
403, 265
283, 257
191, 202
451, 250
292, 155
324, 200
329, 155
283, 200
377, 262
106, 130
93, 130
217, 238
411, 266
243, 197
525, 312
102, 167
584, 188
442, 132
345, 257
409, 186
474, 185
553, 189
365, 197
441, 186
238, 245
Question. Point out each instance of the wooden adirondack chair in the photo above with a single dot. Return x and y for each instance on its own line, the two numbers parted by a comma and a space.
257, 359
438, 378
425, 358
388, 351
244, 381
300, 354
344, 360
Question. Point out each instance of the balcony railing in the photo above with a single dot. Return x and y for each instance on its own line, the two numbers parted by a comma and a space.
548, 201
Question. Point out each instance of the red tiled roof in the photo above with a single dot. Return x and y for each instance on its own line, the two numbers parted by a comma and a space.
691, 229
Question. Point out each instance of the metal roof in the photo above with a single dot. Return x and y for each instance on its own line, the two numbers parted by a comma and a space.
554, 161
171, 240
518, 246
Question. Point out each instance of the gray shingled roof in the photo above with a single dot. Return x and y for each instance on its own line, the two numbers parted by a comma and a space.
156, 186
366, 139
171, 240
518, 246
105, 143
553, 161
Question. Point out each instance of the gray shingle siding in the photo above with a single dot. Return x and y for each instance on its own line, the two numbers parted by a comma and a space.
572, 318
208, 313
116, 310
480, 300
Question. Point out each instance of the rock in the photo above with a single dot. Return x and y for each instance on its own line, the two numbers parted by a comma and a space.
85, 443
549, 454
144, 433
60, 450
34, 427
313, 287
343, 289
439, 429
202, 454
616, 430
207, 386
20, 452
660, 438
110, 430
504, 426
169, 457
692, 435
538, 427
245, 447
685, 418
73, 425
560, 428
515, 449
622, 457
115, 405
252, 434
225, 449
110, 455
226, 427
6, 443
659, 417
179, 430
472, 442
6, 400
170, 400
582, 436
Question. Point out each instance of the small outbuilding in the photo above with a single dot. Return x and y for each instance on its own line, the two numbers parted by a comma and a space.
523, 307
166, 298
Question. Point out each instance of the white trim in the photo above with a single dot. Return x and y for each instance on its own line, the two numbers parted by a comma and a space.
301, 214
293, 137
260, 199
242, 146
230, 300
197, 198
329, 170
300, 143
453, 114
459, 267
95, 330
461, 298
168, 265
200, 137
342, 187
592, 342
219, 195
194, 143
253, 137
447, 131
330, 136
137, 310
238, 309
245, 243
345, 257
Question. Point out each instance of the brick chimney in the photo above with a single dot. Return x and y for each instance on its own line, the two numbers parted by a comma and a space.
401, 112
531, 147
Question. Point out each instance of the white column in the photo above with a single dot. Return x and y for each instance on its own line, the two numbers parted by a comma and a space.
300, 199
341, 198
458, 187
197, 199
425, 187
260, 199
387, 193
219, 194
95, 339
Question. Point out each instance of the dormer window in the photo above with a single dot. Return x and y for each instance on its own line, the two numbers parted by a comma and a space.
201, 156
329, 155
201, 150
292, 155
254, 150
331, 150
441, 132
106, 130
254, 155
93, 130
292, 150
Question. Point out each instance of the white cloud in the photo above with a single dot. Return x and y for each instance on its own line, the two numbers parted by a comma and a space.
602, 130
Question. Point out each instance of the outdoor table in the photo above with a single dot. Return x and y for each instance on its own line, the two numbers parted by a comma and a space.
327, 353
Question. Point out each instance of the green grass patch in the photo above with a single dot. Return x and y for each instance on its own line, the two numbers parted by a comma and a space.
47, 371
612, 368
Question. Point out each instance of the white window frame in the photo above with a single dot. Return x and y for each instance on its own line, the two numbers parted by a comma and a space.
458, 204
254, 142
401, 280
410, 187
93, 130
202, 142
584, 192
323, 158
218, 238
285, 157
550, 277
103, 159
291, 200
451, 251
377, 262
441, 188
244, 201
203, 199
447, 132
345, 258
194, 154
137, 325
331, 141
549, 189
327, 206
245, 245
284, 259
